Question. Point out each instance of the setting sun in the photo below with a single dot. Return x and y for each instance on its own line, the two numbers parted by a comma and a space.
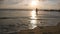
34, 3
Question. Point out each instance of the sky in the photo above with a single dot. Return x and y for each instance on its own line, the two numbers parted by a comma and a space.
21, 4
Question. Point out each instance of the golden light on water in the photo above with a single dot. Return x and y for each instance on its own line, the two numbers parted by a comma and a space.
33, 22
33, 14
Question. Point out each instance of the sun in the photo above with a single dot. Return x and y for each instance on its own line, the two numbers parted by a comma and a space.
34, 3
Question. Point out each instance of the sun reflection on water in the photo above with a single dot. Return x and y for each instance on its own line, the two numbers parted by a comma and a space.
33, 22
33, 14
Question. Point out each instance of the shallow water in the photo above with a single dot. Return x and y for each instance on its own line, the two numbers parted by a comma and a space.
21, 20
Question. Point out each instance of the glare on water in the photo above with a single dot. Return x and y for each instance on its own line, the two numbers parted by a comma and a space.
33, 22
